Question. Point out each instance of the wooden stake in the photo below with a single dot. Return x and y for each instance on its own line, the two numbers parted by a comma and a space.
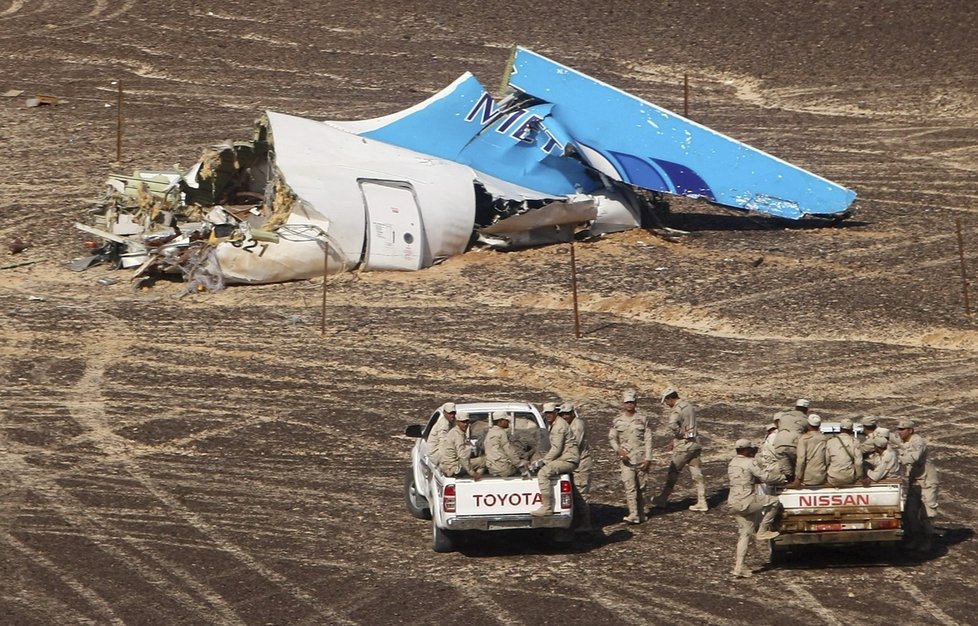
964, 271
686, 95
118, 133
577, 317
322, 328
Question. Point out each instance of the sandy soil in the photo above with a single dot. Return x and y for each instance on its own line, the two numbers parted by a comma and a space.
216, 459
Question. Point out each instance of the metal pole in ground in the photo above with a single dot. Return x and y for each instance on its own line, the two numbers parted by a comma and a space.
322, 328
118, 133
964, 271
577, 317
686, 95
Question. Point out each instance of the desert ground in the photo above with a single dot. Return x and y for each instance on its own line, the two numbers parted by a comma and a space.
217, 459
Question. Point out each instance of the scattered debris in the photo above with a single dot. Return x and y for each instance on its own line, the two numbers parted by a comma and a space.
541, 164
13, 93
17, 245
38, 101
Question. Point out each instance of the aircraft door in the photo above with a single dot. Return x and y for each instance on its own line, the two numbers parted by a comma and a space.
395, 237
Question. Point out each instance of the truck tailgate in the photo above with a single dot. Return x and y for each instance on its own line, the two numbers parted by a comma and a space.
497, 496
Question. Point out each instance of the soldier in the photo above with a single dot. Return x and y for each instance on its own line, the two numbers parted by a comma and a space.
441, 428
866, 437
686, 450
767, 456
582, 474
785, 444
884, 464
797, 416
811, 465
631, 439
501, 456
562, 458
745, 503
845, 461
923, 485
455, 453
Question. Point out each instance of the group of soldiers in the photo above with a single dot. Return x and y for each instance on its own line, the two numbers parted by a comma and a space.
795, 453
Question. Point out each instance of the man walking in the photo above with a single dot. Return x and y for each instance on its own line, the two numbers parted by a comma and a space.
686, 449
744, 502
631, 440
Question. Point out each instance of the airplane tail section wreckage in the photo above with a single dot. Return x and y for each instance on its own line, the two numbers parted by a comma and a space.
559, 150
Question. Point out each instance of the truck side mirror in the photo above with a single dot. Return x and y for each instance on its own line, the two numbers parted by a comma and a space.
414, 430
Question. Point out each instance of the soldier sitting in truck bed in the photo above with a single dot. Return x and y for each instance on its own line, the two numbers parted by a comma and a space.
455, 452
845, 460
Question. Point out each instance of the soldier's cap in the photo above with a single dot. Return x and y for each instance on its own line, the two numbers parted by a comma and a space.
742, 444
845, 424
498, 415
567, 407
803, 403
462, 416
448, 407
880, 442
814, 420
670, 391
549, 407
869, 420
629, 396
905, 423
882, 432
771, 426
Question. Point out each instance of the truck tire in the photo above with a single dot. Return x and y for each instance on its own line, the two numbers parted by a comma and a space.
442, 540
412, 497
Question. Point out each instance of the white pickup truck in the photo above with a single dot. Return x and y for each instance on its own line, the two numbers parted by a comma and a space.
455, 504
839, 515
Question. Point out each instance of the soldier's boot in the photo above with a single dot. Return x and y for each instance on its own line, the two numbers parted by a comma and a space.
764, 531
633, 516
546, 506
701, 504
740, 570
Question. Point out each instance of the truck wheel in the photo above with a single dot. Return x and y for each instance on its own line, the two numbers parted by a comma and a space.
416, 503
442, 540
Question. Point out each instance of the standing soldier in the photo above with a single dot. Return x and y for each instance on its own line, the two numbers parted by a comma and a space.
455, 453
501, 456
844, 458
811, 467
686, 450
631, 439
441, 428
582, 474
562, 458
744, 502
923, 483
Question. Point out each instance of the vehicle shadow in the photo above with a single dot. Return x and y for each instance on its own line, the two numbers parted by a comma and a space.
868, 554
606, 523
